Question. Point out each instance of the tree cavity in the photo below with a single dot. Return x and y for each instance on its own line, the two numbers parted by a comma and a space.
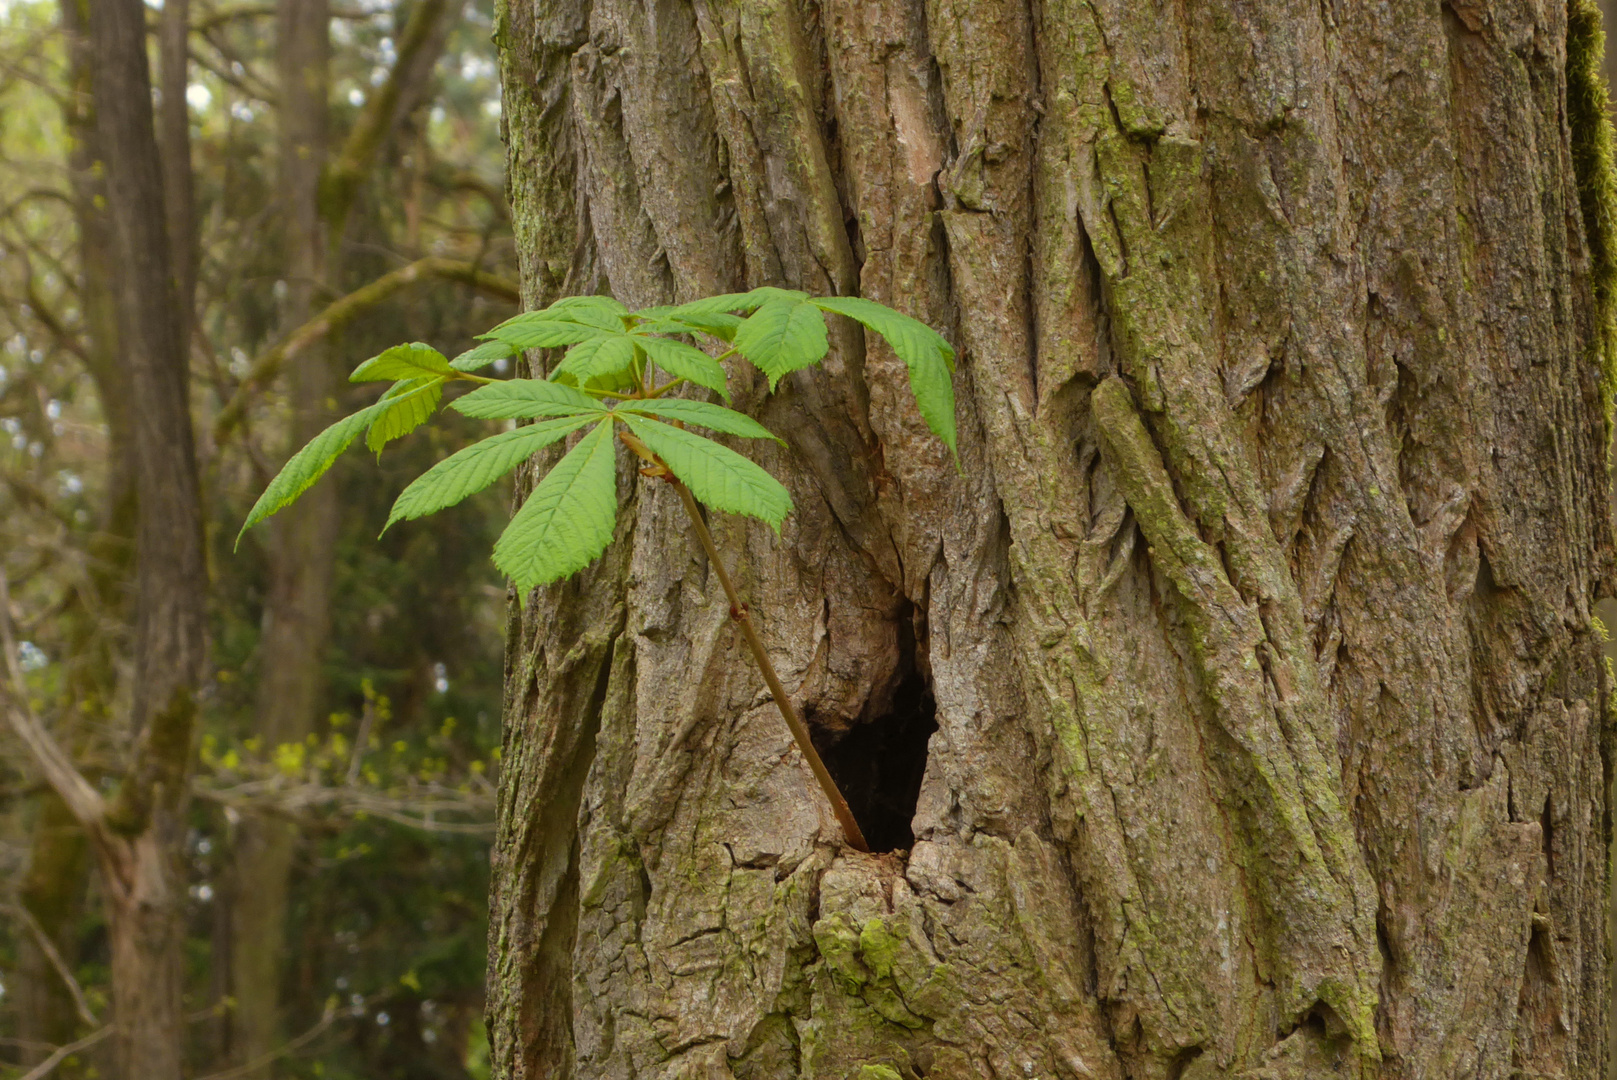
879, 764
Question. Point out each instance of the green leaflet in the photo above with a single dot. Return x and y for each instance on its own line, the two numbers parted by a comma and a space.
567, 522
516, 398
534, 330
476, 467
785, 333
716, 475
600, 311
608, 355
702, 413
566, 322
685, 362
481, 356
410, 361
609, 358
719, 324
927, 354
311, 463
726, 302
406, 411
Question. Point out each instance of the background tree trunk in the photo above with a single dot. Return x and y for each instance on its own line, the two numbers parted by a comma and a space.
297, 609
59, 858
1271, 736
138, 838
318, 188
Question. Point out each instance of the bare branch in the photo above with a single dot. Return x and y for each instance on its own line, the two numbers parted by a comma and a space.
40, 194
419, 45
339, 313
448, 180
282, 798
53, 324
330, 1017
28, 493
242, 12
83, 801
48, 947
254, 89
362, 738
62, 1053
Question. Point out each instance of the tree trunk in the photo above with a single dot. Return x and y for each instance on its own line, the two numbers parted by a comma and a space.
302, 555
318, 186
1270, 723
59, 858
174, 140
138, 837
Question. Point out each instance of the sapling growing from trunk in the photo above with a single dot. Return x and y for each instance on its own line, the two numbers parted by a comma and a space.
607, 386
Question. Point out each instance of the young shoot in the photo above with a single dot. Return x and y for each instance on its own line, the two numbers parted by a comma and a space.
612, 385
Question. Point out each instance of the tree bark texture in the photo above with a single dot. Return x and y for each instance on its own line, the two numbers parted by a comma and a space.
137, 838
1271, 727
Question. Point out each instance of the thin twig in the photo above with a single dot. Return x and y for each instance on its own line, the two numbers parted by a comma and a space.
216, 19
48, 947
743, 619
367, 720
62, 1053
331, 1017
284, 799
83, 800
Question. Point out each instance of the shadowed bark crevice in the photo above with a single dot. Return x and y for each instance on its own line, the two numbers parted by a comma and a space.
879, 764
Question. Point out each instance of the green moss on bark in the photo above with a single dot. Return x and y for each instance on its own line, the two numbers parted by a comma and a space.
1589, 117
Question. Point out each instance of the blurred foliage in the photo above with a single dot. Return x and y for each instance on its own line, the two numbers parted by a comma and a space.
388, 922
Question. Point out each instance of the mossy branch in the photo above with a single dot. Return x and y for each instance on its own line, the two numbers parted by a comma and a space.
341, 182
339, 313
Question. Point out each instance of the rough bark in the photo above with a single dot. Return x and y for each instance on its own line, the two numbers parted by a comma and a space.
1272, 737
136, 837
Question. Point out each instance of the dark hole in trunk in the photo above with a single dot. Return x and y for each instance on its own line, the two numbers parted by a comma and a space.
879, 765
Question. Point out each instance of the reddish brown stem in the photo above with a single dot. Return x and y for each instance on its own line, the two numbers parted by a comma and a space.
743, 619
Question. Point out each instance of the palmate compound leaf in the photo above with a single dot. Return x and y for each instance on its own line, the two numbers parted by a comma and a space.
785, 333
683, 361
518, 398
716, 475
412, 361
406, 411
479, 465
567, 522
703, 414
311, 463
927, 354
